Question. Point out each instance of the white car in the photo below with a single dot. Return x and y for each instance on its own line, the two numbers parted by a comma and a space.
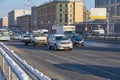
36, 38
59, 42
16, 36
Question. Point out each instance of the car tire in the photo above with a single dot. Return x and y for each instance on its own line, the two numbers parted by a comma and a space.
45, 44
55, 48
34, 44
26, 43
70, 49
49, 47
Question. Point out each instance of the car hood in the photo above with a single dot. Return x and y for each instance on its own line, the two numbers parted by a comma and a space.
40, 38
64, 41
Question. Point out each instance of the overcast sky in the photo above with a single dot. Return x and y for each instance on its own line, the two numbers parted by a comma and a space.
8, 5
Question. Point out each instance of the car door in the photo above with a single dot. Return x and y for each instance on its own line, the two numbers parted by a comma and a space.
53, 41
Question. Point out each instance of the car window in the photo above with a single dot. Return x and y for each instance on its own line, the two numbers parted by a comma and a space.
61, 38
26, 36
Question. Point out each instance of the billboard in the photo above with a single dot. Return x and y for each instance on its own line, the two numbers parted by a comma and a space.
98, 13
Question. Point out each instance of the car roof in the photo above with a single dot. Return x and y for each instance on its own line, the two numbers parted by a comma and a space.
58, 34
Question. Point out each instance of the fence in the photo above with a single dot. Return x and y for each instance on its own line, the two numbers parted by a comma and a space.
12, 70
105, 38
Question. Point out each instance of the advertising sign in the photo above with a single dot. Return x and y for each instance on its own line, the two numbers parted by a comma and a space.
98, 13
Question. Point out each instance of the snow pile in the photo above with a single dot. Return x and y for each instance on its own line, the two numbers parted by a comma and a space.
36, 72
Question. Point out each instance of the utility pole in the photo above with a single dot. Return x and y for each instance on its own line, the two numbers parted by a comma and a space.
108, 23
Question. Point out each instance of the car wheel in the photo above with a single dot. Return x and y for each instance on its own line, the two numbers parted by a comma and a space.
34, 44
45, 44
26, 43
49, 47
70, 49
82, 44
55, 48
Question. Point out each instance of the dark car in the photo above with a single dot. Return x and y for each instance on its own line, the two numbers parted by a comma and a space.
77, 40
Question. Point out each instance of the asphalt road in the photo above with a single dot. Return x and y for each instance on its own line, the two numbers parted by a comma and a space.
94, 61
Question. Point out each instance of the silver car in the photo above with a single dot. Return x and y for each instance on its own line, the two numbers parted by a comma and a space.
59, 42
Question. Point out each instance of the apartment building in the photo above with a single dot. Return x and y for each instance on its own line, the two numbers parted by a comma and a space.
12, 17
4, 22
24, 23
60, 12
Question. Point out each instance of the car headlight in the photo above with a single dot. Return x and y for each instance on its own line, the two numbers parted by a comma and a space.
59, 43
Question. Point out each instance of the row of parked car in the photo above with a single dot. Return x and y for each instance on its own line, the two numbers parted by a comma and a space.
52, 41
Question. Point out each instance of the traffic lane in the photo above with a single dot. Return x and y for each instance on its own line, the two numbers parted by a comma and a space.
96, 63
49, 62
105, 61
71, 65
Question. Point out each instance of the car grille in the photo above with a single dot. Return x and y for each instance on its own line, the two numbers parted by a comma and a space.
65, 42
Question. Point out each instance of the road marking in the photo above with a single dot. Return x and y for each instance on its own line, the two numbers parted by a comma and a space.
51, 61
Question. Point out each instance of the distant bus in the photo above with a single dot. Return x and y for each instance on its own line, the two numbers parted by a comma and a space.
4, 35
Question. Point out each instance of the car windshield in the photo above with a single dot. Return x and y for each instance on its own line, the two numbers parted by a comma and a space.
26, 36
62, 38
45, 32
77, 37
36, 34
5, 33
69, 32
17, 34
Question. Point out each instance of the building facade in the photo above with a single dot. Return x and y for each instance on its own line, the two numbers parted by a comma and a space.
113, 6
113, 10
24, 23
60, 12
12, 17
4, 22
33, 18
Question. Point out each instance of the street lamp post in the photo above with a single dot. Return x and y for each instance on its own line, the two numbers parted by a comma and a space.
35, 25
49, 25
41, 24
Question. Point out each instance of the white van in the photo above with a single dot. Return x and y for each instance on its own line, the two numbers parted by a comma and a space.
36, 38
59, 42
44, 32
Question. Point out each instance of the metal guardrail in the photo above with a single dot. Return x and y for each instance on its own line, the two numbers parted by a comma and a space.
19, 66
106, 38
13, 65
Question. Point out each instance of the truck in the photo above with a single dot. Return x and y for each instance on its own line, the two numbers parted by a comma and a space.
44, 32
36, 38
70, 32
67, 30
98, 32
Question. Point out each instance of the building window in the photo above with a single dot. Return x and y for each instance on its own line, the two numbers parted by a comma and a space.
66, 5
60, 20
70, 6
70, 20
60, 9
66, 18
70, 15
60, 15
66, 10
60, 5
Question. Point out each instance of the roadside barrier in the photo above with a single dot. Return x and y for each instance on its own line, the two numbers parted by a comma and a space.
14, 68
